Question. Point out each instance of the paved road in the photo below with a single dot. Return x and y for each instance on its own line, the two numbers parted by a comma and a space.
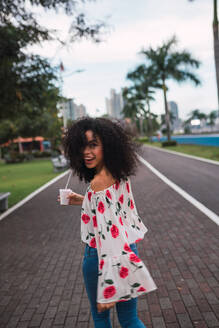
41, 254
199, 179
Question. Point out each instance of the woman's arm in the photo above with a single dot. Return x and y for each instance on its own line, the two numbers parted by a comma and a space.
75, 199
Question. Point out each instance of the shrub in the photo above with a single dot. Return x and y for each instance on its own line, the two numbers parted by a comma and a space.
28, 156
169, 143
142, 139
40, 154
46, 154
14, 157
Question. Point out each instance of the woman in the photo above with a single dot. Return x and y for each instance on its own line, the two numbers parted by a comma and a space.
100, 152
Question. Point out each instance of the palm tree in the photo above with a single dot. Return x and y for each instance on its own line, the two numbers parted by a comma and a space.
212, 117
134, 107
196, 114
170, 64
144, 81
131, 103
216, 46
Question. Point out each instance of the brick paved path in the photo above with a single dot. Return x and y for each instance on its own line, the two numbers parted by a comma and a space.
41, 253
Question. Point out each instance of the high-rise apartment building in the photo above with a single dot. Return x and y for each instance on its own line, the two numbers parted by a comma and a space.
175, 122
71, 111
173, 108
114, 104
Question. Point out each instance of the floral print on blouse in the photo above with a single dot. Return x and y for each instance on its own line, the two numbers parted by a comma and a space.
110, 223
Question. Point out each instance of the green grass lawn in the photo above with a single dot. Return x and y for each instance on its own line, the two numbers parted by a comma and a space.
23, 178
195, 150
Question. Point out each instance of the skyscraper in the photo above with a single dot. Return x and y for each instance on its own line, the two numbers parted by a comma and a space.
114, 104
175, 121
173, 108
71, 111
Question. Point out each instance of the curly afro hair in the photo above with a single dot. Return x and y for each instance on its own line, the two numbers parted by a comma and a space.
119, 151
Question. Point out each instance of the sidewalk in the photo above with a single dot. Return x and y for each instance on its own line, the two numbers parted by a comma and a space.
41, 253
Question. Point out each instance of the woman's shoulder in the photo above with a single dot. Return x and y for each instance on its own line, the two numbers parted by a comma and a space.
101, 184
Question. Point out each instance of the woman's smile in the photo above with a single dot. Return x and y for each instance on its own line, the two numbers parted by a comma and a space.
89, 160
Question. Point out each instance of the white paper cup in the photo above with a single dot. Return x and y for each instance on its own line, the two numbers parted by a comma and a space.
63, 193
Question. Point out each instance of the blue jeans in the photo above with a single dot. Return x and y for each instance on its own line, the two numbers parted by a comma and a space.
126, 311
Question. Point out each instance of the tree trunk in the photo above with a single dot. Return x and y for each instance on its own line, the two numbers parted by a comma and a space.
166, 111
149, 119
216, 48
141, 126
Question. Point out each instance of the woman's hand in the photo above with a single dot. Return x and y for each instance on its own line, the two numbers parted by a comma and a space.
74, 199
104, 306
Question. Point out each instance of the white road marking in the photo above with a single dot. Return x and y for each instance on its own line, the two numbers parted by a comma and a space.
185, 155
213, 216
23, 201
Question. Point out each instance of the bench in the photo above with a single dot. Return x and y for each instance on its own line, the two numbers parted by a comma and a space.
59, 163
4, 201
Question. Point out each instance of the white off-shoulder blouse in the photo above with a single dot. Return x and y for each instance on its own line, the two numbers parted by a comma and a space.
110, 223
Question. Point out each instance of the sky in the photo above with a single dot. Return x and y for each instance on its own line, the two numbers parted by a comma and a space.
133, 25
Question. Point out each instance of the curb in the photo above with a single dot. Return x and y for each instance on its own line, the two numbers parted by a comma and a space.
184, 155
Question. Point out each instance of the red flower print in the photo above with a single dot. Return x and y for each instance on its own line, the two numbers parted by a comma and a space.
93, 242
99, 241
85, 218
121, 198
120, 220
134, 258
127, 248
137, 240
101, 264
108, 194
117, 185
89, 195
141, 289
114, 231
127, 187
131, 204
126, 234
109, 291
124, 272
95, 221
101, 208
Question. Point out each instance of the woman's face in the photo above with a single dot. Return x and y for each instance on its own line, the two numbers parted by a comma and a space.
93, 152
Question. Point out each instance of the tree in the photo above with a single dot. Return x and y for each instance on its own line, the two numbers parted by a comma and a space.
16, 11
196, 114
216, 45
135, 101
171, 64
212, 117
144, 81
8, 131
25, 77
131, 103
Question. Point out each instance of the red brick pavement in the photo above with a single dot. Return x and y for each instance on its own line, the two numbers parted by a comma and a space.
41, 253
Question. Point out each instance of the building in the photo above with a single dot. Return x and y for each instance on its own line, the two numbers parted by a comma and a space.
175, 121
71, 111
114, 104
80, 111
29, 144
173, 108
